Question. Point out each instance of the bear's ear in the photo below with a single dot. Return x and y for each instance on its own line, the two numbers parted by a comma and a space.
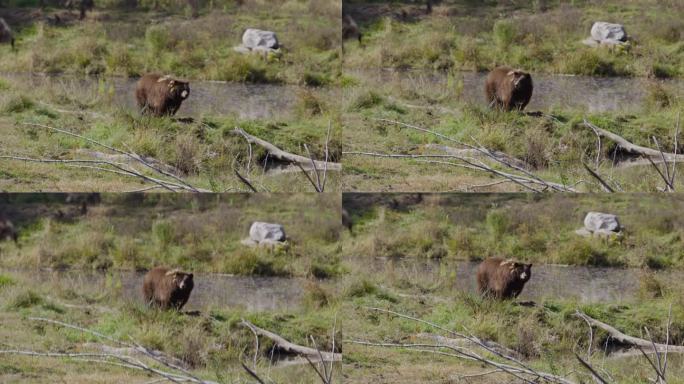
529, 265
190, 274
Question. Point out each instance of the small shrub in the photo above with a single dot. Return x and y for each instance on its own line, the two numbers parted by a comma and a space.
583, 252
315, 79
650, 287
18, 104
309, 104
657, 96
192, 345
361, 288
158, 38
253, 262
6, 281
164, 233
316, 296
590, 63
367, 100
663, 71
25, 299
4, 85
505, 33
187, 154
497, 223
244, 68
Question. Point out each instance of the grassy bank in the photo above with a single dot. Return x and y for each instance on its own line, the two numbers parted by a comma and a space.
198, 233
540, 36
553, 146
544, 336
210, 343
203, 152
540, 229
115, 40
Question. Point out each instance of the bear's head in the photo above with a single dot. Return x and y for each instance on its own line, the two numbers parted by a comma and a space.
179, 89
182, 280
521, 271
519, 78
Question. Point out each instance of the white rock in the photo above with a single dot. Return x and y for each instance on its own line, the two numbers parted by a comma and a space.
266, 233
601, 222
608, 33
256, 38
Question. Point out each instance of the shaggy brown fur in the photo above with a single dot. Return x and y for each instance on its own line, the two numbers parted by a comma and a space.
7, 230
6, 34
350, 30
166, 288
346, 220
508, 88
159, 95
502, 279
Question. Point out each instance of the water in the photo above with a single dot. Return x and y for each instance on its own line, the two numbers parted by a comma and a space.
582, 283
246, 101
592, 94
254, 294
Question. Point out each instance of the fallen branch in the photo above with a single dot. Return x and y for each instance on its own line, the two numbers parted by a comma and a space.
630, 340
512, 366
131, 154
119, 169
119, 356
461, 342
525, 179
604, 184
135, 351
115, 162
119, 158
283, 155
470, 152
287, 346
633, 148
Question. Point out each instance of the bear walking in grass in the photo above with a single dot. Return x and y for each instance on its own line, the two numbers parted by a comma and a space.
7, 230
160, 95
502, 279
508, 88
6, 34
167, 288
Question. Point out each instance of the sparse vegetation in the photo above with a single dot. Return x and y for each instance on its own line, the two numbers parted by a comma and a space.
204, 152
536, 229
552, 146
546, 38
200, 234
391, 258
119, 40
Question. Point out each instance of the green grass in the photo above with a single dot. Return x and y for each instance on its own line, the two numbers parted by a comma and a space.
129, 42
126, 234
212, 343
552, 147
545, 335
203, 152
537, 229
538, 36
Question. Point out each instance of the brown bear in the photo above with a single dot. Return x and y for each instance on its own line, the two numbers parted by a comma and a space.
6, 34
346, 220
502, 279
508, 88
167, 288
160, 95
7, 230
350, 30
